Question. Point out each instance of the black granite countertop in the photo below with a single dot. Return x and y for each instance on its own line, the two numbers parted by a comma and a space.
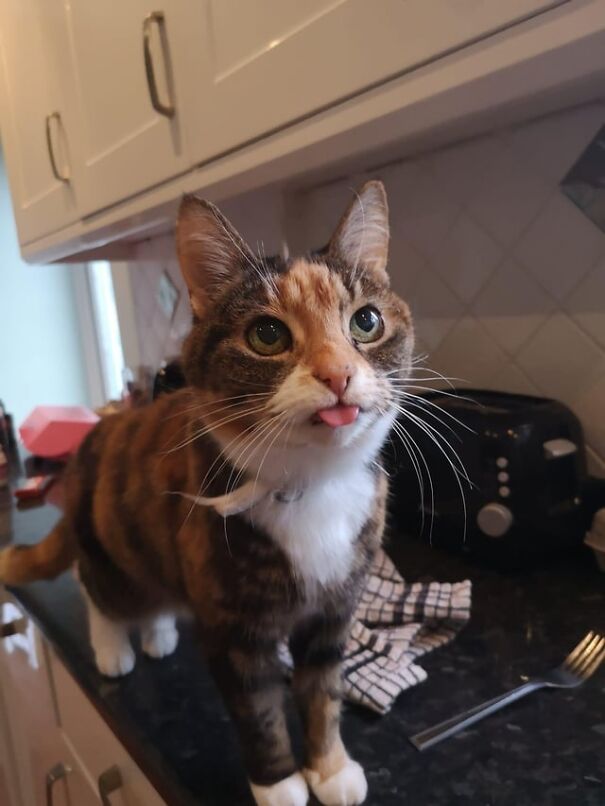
546, 750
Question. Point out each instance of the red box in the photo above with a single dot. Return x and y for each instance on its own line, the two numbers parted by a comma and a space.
54, 432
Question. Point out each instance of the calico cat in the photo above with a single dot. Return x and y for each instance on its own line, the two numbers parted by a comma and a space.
292, 368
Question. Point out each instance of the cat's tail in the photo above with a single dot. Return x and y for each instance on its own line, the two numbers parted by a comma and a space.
44, 560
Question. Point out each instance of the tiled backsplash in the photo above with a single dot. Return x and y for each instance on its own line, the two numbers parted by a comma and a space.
159, 338
506, 277
259, 219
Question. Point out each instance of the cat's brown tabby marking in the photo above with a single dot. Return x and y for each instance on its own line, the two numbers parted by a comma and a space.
292, 369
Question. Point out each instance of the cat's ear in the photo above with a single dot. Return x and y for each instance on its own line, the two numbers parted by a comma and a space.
211, 252
362, 236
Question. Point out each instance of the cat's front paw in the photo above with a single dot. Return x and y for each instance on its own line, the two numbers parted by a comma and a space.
290, 791
160, 642
347, 787
115, 661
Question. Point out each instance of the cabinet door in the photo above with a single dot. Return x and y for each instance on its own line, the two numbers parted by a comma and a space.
9, 780
270, 62
38, 747
126, 60
37, 133
98, 750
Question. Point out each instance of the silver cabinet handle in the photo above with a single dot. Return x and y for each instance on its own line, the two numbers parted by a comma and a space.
57, 773
18, 625
109, 781
157, 18
51, 152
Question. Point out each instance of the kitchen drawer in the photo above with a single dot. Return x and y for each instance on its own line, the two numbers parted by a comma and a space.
95, 748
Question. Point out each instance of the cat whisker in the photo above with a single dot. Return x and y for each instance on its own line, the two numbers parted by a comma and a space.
458, 469
246, 256
256, 384
411, 373
270, 279
199, 406
204, 487
200, 488
262, 462
413, 450
453, 395
363, 233
410, 402
207, 429
199, 418
436, 435
253, 437
422, 402
236, 469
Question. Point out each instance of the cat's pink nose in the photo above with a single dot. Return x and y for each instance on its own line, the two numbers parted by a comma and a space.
337, 381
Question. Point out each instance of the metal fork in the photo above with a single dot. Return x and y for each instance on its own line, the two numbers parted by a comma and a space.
581, 663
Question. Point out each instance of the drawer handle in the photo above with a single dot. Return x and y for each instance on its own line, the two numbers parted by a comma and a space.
17, 626
109, 781
157, 18
51, 152
57, 773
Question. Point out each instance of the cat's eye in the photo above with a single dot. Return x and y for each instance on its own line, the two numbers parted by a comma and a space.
269, 336
366, 324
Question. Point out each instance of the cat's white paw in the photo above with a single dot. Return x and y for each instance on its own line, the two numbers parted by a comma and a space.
158, 642
290, 791
347, 787
115, 661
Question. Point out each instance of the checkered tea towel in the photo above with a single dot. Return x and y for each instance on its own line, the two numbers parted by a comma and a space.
395, 624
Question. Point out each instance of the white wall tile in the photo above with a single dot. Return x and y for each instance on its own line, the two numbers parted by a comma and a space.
435, 308
466, 258
552, 144
405, 265
420, 211
505, 277
459, 168
590, 407
596, 465
587, 304
512, 379
512, 306
469, 354
561, 360
486, 220
509, 197
319, 211
560, 246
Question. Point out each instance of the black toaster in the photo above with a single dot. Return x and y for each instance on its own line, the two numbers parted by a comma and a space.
525, 460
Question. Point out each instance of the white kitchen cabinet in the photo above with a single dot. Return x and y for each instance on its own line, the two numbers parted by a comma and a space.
9, 787
37, 130
271, 62
31, 713
100, 755
234, 96
128, 60
54, 747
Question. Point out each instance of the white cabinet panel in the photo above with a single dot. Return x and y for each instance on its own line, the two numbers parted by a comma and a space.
270, 62
9, 780
32, 716
126, 143
96, 747
36, 128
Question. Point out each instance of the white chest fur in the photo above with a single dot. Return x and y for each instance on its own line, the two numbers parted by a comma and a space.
318, 531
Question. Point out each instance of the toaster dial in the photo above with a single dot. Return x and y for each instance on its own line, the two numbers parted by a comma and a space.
494, 519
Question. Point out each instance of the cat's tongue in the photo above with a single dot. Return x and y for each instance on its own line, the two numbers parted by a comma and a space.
338, 415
